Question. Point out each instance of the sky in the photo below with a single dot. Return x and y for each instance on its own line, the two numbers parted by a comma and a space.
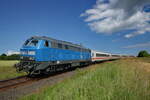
114, 26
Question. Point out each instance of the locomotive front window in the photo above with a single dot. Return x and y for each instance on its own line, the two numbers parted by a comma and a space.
26, 42
31, 42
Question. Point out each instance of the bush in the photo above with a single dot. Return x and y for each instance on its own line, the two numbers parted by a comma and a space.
143, 53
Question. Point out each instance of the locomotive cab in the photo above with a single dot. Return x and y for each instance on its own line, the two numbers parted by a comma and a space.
33, 50
29, 49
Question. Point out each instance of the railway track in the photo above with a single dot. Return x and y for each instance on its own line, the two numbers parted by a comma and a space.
22, 80
5, 84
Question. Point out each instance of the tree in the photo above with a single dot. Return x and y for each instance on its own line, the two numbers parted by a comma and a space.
143, 53
3, 56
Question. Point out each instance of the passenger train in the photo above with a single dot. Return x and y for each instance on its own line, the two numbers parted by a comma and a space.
43, 55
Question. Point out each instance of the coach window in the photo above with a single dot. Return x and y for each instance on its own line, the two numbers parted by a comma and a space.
53, 44
78, 49
59, 45
73, 48
46, 44
102, 55
66, 46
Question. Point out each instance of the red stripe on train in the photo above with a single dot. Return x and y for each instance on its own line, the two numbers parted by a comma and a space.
96, 58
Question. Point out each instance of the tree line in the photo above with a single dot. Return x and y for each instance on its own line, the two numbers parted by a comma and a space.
10, 57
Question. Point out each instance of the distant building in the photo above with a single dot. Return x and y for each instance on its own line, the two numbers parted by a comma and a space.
12, 52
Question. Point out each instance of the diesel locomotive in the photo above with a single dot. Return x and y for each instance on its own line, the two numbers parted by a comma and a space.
42, 55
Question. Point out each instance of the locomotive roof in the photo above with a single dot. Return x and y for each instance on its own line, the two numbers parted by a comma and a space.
58, 41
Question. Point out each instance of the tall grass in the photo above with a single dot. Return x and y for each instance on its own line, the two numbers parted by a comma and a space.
118, 80
7, 70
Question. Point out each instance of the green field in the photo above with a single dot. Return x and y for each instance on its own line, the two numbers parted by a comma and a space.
127, 79
7, 70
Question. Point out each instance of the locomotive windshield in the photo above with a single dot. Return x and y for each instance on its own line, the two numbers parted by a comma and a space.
33, 42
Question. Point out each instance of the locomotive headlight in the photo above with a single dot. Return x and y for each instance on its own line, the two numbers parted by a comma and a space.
31, 52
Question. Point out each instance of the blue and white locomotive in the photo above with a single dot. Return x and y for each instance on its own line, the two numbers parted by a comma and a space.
45, 55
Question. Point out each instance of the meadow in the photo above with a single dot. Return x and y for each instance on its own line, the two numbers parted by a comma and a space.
7, 70
126, 79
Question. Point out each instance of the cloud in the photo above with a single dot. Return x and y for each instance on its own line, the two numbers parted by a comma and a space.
118, 15
141, 45
138, 32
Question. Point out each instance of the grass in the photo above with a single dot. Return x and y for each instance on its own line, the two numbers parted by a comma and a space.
145, 59
7, 70
126, 79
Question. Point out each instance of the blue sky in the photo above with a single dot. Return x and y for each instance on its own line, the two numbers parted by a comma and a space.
60, 19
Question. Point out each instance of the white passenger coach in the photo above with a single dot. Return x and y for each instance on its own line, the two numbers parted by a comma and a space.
100, 56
